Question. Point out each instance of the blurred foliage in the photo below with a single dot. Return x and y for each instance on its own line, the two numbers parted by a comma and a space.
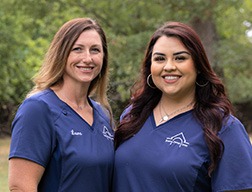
28, 26
234, 51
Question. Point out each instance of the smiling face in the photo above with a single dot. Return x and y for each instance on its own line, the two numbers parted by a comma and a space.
85, 60
172, 68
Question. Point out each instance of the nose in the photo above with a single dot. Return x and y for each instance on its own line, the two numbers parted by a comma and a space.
87, 57
170, 65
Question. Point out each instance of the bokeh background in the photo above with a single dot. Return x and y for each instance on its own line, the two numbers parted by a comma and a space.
28, 26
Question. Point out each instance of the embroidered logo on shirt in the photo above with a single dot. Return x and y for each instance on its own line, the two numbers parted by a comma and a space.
178, 139
106, 133
75, 133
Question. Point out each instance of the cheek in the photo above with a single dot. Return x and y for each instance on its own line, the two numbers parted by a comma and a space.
98, 60
155, 72
72, 59
154, 69
99, 64
193, 72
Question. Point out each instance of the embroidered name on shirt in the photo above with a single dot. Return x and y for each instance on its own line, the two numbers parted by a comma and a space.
106, 133
178, 139
75, 133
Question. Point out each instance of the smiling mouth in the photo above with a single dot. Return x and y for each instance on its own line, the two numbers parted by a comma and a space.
171, 77
85, 68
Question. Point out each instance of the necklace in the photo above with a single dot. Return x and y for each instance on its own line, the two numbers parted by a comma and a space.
78, 107
167, 116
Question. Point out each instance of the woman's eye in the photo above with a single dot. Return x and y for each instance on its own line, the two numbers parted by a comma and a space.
95, 50
180, 58
77, 49
159, 58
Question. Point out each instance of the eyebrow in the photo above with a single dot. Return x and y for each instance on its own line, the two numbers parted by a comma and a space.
177, 53
181, 52
81, 45
158, 53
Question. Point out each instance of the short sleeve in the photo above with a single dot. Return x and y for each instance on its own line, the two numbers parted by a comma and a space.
32, 132
234, 171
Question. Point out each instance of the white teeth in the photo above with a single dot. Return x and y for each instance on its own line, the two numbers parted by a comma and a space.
85, 68
171, 77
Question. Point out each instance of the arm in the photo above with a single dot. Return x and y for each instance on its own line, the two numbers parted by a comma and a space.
234, 172
24, 175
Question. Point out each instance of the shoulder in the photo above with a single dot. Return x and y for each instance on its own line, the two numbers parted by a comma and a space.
97, 106
230, 122
34, 102
44, 95
101, 110
125, 112
39, 103
232, 126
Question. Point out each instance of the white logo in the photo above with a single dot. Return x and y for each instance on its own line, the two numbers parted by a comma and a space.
106, 133
75, 133
178, 139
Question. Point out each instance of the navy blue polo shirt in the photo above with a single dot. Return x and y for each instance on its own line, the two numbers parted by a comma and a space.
75, 155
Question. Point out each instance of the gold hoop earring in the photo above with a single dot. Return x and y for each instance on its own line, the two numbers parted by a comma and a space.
148, 83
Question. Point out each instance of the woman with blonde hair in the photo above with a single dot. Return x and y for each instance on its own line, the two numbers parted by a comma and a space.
62, 139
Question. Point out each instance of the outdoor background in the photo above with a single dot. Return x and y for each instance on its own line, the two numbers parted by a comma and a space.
28, 26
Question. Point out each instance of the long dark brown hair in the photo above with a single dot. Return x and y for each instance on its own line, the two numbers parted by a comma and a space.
211, 103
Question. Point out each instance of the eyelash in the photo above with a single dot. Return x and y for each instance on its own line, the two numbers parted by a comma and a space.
76, 48
96, 49
180, 58
159, 58
80, 49
177, 58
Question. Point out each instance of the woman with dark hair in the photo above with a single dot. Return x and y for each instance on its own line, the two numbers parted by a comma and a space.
178, 133
62, 140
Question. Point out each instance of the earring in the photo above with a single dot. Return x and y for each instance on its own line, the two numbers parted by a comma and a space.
148, 83
200, 85
201, 78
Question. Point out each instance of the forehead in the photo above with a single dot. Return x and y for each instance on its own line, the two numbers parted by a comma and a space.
90, 36
169, 44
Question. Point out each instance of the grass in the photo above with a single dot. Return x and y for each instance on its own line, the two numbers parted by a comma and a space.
4, 151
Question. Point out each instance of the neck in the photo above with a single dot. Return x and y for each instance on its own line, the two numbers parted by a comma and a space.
77, 103
76, 99
169, 111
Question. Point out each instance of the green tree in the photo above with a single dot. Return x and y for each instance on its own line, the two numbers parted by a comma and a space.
14, 72
27, 27
234, 51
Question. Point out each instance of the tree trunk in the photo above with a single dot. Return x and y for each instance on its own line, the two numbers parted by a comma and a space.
207, 31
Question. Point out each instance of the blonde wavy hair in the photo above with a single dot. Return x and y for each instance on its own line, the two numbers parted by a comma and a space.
53, 67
